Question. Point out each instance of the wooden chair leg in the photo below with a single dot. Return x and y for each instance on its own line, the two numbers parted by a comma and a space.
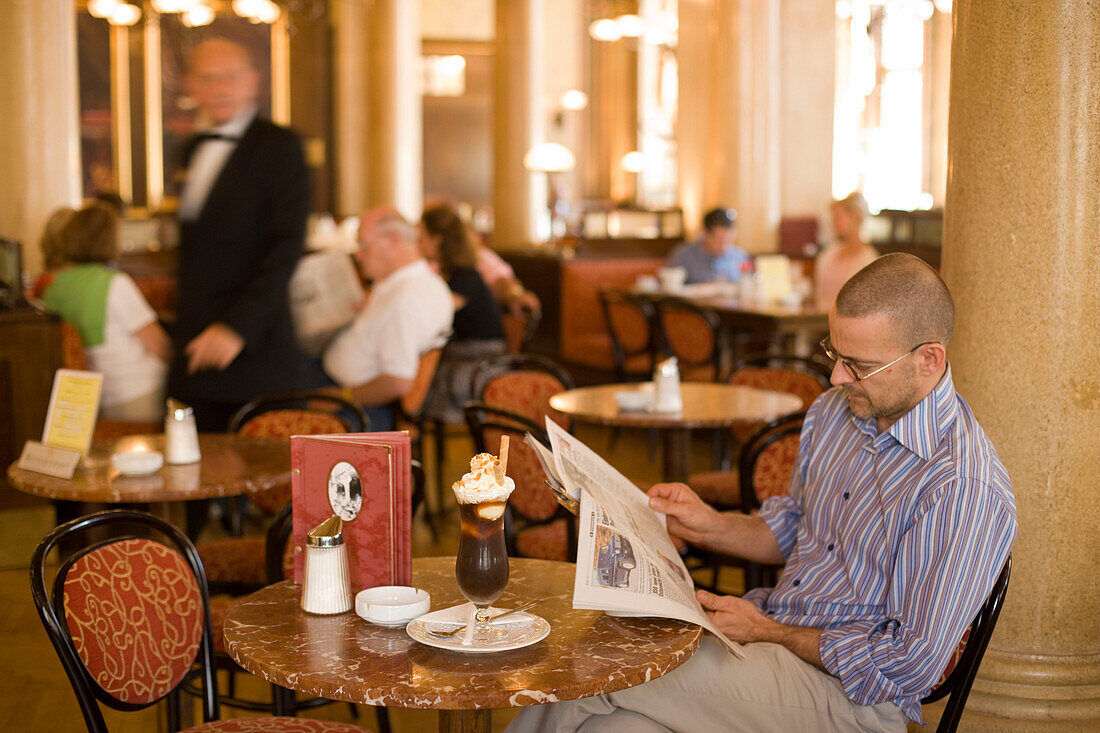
383, 715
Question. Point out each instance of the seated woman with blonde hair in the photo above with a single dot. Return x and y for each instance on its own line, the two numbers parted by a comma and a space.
847, 255
122, 338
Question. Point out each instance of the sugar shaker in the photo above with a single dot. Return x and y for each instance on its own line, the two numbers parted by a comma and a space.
326, 588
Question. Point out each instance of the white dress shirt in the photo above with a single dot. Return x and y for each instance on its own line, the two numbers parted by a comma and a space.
406, 314
207, 162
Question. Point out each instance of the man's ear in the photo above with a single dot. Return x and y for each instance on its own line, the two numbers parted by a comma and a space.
931, 358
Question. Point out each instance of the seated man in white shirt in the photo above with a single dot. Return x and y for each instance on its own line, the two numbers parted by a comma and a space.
409, 311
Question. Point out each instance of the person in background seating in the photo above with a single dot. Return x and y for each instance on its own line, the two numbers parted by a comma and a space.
715, 254
122, 338
408, 312
50, 246
847, 255
897, 523
478, 332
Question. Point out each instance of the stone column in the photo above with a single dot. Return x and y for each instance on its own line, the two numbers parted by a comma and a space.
728, 125
1022, 258
39, 133
351, 105
395, 144
518, 196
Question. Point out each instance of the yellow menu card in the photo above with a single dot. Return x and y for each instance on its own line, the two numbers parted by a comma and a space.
74, 401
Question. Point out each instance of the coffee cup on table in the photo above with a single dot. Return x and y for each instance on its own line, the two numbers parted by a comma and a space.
672, 278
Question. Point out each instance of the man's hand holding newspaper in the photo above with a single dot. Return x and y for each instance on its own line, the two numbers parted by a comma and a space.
626, 562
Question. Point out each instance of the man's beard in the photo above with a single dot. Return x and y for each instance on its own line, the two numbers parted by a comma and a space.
892, 405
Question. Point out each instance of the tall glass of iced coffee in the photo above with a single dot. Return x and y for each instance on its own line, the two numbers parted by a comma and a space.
481, 568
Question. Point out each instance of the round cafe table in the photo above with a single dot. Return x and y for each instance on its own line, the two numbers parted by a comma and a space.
231, 464
343, 657
706, 405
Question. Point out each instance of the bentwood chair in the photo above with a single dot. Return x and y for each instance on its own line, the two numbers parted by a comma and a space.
804, 378
235, 564
630, 323
522, 383
694, 335
958, 676
130, 615
766, 464
535, 525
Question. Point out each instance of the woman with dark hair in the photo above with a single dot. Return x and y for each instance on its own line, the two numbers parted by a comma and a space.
478, 333
122, 338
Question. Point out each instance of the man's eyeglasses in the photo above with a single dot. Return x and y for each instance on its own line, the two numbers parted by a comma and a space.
849, 366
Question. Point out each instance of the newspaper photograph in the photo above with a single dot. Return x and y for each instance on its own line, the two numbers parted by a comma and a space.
626, 562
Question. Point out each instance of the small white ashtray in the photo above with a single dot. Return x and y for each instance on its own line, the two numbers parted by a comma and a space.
392, 605
634, 400
137, 463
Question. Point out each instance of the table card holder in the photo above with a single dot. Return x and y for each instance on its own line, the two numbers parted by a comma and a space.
70, 421
366, 480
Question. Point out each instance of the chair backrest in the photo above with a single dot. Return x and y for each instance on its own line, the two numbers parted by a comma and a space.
412, 404
72, 347
694, 335
522, 383
804, 378
128, 616
285, 414
958, 677
299, 413
768, 459
535, 524
630, 323
518, 331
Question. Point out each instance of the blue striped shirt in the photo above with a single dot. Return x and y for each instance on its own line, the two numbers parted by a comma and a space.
892, 541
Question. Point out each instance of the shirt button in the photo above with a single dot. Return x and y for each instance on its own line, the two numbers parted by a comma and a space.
830, 547
771, 613
797, 582
845, 495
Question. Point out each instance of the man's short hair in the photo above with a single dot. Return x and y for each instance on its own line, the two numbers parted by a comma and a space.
719, 218
908, 291
394, 223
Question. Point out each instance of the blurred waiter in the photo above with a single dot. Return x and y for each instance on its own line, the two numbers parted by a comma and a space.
242, 218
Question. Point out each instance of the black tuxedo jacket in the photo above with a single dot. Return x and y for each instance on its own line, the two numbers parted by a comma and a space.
235, 263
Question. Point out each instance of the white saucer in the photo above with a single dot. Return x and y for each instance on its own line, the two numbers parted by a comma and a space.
521, 629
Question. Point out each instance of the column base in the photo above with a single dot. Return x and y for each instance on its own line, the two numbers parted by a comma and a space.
1017, 691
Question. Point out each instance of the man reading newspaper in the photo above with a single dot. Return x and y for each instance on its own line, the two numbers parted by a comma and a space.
898, 520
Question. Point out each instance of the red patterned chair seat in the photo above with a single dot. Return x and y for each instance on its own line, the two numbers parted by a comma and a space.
219, 609
114, 601
280, 725
546, 541
694, 343
717, 488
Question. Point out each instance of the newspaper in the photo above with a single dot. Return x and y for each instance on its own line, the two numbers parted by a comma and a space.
626, 562
325, 296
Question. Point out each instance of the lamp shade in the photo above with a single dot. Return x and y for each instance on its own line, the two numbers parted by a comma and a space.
549, 158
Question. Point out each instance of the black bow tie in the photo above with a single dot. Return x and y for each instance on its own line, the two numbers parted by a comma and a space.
204, 136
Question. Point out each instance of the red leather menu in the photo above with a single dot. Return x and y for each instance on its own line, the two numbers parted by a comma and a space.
366, 479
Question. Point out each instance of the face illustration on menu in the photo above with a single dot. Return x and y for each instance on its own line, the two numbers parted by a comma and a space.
481, 567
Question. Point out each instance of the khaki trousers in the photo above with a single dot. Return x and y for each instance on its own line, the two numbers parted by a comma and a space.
771, 689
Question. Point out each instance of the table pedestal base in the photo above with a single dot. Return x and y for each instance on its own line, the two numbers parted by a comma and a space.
465, 721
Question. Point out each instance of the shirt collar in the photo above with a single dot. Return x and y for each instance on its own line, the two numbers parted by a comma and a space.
921, 429
235, 127
406, 271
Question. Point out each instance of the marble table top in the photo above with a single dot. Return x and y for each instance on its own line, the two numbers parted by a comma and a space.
343, 657
706, 405
231, 464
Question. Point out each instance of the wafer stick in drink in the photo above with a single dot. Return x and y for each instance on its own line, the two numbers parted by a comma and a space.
503, 455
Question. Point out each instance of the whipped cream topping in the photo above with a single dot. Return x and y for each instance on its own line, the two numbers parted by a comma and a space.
484, 482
